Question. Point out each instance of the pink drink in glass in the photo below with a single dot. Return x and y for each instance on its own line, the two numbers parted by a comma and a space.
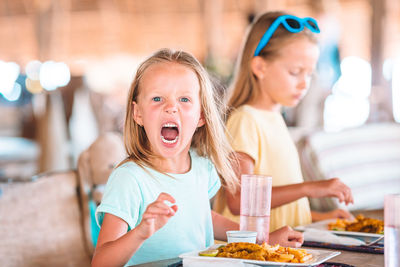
255, 205
260, 224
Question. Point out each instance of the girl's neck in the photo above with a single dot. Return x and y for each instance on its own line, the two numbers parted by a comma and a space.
177, 165
264, 102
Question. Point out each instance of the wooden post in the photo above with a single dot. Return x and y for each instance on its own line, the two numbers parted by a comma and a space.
377, 34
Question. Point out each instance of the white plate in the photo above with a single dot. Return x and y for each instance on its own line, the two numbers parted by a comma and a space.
323, 225
319, 256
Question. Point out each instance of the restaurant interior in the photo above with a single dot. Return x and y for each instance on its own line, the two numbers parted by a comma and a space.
65, 71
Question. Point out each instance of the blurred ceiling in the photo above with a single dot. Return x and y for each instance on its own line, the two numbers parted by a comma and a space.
79, 31
69, 30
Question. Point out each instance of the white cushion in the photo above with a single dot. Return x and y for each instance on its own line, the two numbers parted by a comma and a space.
366, 158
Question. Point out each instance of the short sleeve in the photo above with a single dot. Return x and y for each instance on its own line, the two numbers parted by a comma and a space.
122, 198
214, 183
243, 133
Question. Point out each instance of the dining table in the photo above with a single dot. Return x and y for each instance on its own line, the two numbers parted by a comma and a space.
348, 258
345, 258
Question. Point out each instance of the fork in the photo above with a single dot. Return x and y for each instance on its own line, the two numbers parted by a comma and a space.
374, 242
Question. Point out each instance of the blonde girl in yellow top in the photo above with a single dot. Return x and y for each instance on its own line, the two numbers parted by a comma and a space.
274, 70
176, 145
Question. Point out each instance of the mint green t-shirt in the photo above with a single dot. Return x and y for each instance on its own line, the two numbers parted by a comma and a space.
130, 189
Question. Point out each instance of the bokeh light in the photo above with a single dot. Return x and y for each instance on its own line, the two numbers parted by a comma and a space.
54, 74
348, 105
9, 72
33, 86
32, 69
396, 90
14, 94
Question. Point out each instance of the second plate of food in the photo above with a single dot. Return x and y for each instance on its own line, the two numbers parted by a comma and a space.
335, 226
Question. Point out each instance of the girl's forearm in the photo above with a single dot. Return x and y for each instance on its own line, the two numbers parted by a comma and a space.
119, 251
222, 224
285, 194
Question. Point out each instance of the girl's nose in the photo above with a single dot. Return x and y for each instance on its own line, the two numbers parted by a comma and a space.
171, 107
304, 82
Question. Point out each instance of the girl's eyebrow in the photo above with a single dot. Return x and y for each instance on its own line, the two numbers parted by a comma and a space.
188, 92
154, 91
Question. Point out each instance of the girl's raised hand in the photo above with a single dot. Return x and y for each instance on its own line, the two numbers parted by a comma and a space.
156, 215
333, 187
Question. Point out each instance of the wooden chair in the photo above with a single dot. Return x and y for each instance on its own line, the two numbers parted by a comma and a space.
95, 165
41, 222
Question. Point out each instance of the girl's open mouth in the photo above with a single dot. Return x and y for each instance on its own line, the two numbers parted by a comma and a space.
170, 133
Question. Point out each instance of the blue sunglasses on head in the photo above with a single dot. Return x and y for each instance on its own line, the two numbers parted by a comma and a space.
291, 23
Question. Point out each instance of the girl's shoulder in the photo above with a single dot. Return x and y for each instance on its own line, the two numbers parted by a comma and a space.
128, 166
247, 112
128, 171
244, 111
242, 117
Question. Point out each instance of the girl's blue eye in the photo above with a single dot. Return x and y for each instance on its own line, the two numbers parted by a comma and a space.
185, 99
157, 99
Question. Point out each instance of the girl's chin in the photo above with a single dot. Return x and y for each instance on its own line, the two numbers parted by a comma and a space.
293, 103
164, 152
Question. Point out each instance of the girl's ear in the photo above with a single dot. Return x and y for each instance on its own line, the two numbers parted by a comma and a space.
137, 116
258, 67
201, 120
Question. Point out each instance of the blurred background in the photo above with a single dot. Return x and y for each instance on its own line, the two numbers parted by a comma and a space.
66, 66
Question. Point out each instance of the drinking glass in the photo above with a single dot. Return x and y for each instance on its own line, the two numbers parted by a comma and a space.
392, 230
255, 205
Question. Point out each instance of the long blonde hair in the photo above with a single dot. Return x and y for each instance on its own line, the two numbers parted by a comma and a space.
209, 140
245, 87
